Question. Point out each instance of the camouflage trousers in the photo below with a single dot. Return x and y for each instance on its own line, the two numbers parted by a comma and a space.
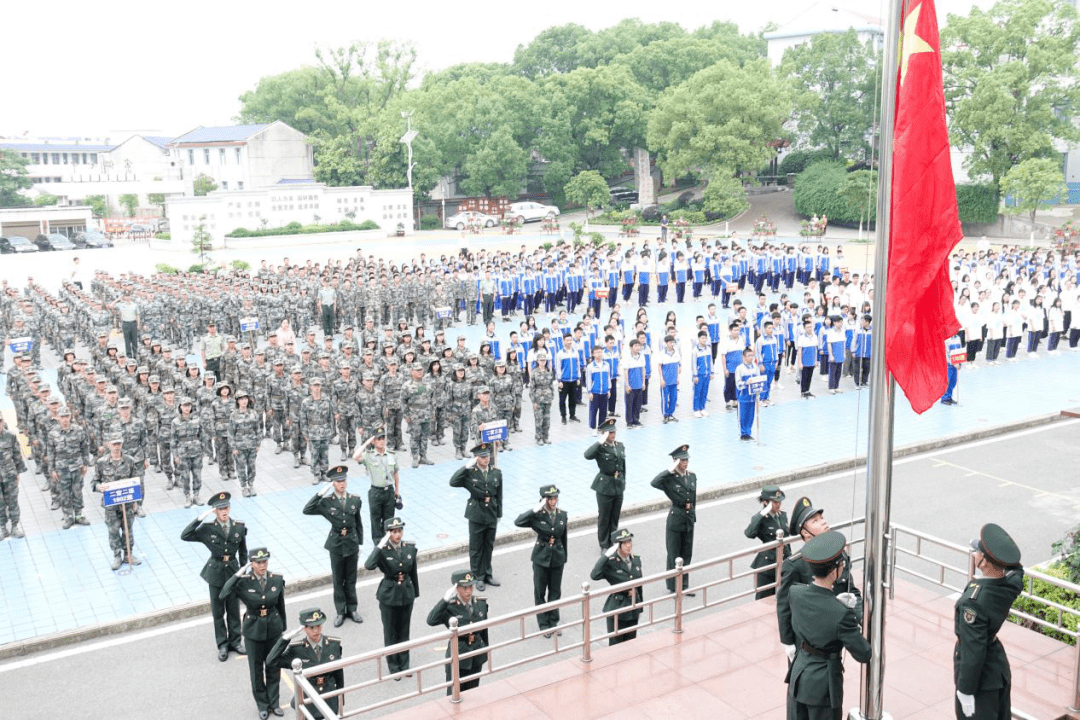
245, 465
114, 521
165, 451
320, 457
276, 425
189, 473
295, 440
542, 420
418, 439
459, 424
9, 500
69, 485
393, 429
438, 425
346, 428
224, 456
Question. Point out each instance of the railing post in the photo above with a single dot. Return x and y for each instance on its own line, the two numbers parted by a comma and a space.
297, 672
586, 624
779, 560
892, 562
455, 667
678, 595
1075, 707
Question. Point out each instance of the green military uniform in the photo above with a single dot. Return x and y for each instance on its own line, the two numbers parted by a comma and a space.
482, 511
343, 541
397, 591
466, 612
264, 620
227, 544
824, 627
681, 489
617, 570
767, 528
548, 555
382, 469
326, 649
609, 483
980, 666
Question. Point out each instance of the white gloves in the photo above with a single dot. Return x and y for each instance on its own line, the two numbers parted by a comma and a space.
967, 703
244, 570
208, 513
384, 541
610, 552
765, 511
541, 505
609, 436
849, 600
327, 490
789, 650
471, 464
295, 632
450, 594
675, 467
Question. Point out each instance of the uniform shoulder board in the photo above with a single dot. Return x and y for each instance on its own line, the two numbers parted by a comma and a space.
410, 543
238, 522
297, 641
975, 591
480, 599
331, 638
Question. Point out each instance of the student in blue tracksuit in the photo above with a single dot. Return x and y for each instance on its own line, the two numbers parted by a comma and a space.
823, 330
806, 347
952, 345
628, 270
670, 362
506, 292
633, 376
733, 346
611, 357
646, 350
714, 322
598, 383
768, 354
836, 344
663, 277
747, 369
861, 352
567, 374
644, 278
697, 266
703, 371
680, 277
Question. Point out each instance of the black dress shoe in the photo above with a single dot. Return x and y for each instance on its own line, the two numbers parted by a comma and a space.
355, 616
223, 653
339, 621
239, 648
493, 582
278, 711
480, 586
263, 714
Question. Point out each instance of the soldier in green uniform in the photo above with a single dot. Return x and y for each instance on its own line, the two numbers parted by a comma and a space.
113, 466
461, 602
808, 522
346, 536
767, 525
485, 486
186, 438
549, 553
69, 455
680, 486
244, 439
416, 398
610, 481
312, 649
11, 466
226, 539
824, 627
382, 468
263, 596
399, 588
980, 667
542, 392
617, 565
317, 427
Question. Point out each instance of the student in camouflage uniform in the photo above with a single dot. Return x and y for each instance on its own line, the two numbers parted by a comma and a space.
134, 432
370, 413
222, 409
185, 439
472, 294
244, 440
460, 392
440, 400
390, 391
502, 397
205, 399
277, 388
151, 404
482, 413
298, 392
317, 426
542, 393
417, 394
344, 391
169, 409
11, 465
116, 466
70, 455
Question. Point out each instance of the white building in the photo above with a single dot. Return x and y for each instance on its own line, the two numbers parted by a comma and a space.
243, 157
823, 17
305, 202
29, 222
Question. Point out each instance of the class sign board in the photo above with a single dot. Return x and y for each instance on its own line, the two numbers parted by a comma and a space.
755, 384
442, 313
495, 430
21, 345
121, 492
249, 324
958, 357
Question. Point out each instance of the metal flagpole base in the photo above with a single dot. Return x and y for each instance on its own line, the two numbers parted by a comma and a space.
856, 714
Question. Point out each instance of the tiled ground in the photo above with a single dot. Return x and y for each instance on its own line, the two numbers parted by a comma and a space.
57, 580
731, 665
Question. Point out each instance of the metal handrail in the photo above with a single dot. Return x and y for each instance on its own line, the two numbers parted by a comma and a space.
589, 595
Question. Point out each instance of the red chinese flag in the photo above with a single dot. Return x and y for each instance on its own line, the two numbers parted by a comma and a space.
925, 227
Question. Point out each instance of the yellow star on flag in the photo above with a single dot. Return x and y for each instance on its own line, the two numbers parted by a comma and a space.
911, 44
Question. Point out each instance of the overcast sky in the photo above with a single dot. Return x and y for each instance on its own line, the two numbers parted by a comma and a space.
118, 66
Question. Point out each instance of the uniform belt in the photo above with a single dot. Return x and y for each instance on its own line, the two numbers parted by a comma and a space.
344, 531
818, 653
381, 487
267, 612
226, 557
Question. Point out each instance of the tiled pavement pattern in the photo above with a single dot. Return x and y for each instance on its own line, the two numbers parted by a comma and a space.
731, 665
57, 580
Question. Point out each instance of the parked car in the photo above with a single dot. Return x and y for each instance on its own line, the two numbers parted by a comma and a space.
141, 229
91, 239
16, 244
462, 219
531, 211
53, 241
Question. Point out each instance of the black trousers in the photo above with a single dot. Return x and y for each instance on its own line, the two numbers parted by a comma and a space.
481, 543
265, 680
547, 587
608, 508
343, 568
328, 319
395, 629
130, 329
488, 307
624, 621
568, 395
680, 544
226, 618
214, 365
381, 508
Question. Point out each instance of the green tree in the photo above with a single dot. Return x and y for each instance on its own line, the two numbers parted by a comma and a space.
1032, 184
99, 205
555, 50
156, 199
724, 196
858, 190
588, 188
834, 80
130, 201
13, 179
201, 242
722, 117
46, 199
497, 168
1012, 86
203, 184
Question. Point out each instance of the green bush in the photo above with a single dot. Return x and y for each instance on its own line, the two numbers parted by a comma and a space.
724, 198
429, 222
196, 268
1043, 589
166, 269
163, 236
240, 265
597, 239
798, 160
368, 225
694, 217
817, 193
977, 203
295, 228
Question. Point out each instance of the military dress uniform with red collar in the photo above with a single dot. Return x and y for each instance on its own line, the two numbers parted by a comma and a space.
291, 647
343, 541
548, 555
397, 591
681, 490
483, 511
466, 612
617, 570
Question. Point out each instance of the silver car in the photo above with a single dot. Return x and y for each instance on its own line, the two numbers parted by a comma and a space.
469, 217
531, 211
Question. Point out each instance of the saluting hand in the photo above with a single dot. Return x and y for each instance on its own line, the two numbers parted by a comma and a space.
766, 509
208, 513
327, 490
244, 570
541, 506
471, 464
450, 594
385, 540
610, 552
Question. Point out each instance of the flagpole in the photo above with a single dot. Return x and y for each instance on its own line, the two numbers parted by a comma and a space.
882, 394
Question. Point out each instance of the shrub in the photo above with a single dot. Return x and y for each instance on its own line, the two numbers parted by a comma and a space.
429, 222
1052, 593
977, 203
694, 217
724, 198
196, 268
240, 233
651, 214
817, 192
547, 246
166, 269
684, 199
368, 225
240, 265
293, 227
597, 239
163, 236
798, 160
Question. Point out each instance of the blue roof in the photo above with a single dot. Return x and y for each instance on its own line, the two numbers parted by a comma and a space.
295, 181
54, 147
228, 133
159, 140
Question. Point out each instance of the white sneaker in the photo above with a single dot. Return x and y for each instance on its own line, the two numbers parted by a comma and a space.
779, 386
697, 413
1033, 356
703, 413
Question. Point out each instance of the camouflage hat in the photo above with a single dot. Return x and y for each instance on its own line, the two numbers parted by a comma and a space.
125, 402
210, 375
63, 411
368, 376
154, 379
296, 369
315, 381
185, 400
459, 366
114, 439
416, 367
168, 389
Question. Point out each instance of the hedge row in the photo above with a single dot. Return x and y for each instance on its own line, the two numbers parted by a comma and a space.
295, 228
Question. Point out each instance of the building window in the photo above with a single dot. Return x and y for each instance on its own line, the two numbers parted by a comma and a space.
84, 158
190, 157
225, 186
35, 158
44, 158
237, 156
56, 158
239, 184
74, 158
221, 155
93, 158
64, 155
206, 156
